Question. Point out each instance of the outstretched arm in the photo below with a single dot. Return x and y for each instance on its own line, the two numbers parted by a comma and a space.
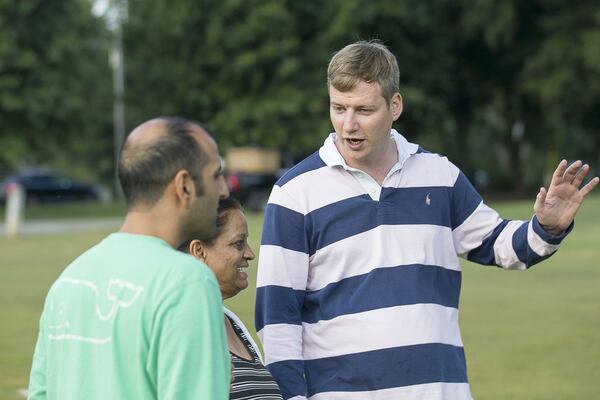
482, 236
556, 207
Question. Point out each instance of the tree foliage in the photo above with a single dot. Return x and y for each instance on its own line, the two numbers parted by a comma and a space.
54, 87
507, 87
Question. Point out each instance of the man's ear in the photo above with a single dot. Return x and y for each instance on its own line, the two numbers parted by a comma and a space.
198, 249
184, 187
396, 105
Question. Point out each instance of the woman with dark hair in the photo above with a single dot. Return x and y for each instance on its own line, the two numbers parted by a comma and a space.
227, 254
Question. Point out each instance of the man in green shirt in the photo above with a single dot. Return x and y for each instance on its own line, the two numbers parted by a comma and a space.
132, 318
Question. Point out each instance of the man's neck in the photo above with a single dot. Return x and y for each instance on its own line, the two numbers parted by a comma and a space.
378, 167
151, 223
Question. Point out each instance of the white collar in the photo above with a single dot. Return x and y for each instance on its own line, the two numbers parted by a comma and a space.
332, 157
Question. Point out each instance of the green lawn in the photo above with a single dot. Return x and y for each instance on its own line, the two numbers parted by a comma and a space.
534, 334
71, 210
528, 335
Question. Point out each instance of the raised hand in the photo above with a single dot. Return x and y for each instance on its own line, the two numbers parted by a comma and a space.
556, 207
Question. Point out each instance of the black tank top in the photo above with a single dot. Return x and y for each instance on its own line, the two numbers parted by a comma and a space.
252, 381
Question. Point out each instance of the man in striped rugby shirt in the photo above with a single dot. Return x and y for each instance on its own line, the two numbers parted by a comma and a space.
359, 275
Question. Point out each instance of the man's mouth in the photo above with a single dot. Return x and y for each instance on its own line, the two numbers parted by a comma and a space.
354, 143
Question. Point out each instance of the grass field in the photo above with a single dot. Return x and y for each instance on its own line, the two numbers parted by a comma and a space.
71, 210
528, 335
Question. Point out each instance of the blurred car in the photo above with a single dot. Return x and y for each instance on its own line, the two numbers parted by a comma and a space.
47, 186
252, 189
251, 173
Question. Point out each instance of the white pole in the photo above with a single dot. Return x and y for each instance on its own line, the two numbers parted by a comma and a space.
116, 61
15, 208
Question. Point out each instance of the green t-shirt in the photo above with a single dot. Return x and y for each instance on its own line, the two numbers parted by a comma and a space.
132, 318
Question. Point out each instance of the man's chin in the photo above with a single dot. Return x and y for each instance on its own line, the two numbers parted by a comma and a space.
354, 158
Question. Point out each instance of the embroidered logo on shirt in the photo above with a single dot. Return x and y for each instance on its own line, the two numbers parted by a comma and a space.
428, 199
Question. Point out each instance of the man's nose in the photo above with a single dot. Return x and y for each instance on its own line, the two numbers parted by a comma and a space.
350, 124
223, 188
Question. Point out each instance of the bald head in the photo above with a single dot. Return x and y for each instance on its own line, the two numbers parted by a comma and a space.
153, 154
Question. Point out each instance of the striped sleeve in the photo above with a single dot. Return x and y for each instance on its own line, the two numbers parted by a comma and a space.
281, 286
482, 236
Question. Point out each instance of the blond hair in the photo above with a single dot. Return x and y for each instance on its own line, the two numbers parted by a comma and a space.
368, 62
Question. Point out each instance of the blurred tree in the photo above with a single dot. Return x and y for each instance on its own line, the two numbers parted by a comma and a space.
255, 71
525, 58
493, 41
54, 87
246, 68
483, 81
563, 77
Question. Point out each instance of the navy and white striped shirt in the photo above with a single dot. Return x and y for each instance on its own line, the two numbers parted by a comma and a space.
358, 290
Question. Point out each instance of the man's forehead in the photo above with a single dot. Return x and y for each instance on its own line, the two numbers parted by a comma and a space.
209, 148
215, 161
362, 86
204, 139
361, 93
